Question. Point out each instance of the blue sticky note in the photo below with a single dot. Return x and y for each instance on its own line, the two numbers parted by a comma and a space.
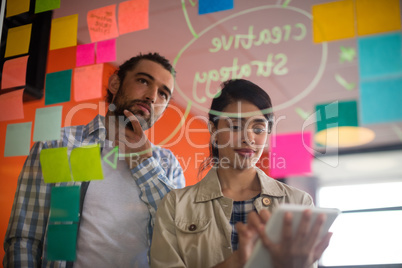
65, 204
210, 6
380, 55
61, 242
381, 100
47, 123
58, 87
18, 139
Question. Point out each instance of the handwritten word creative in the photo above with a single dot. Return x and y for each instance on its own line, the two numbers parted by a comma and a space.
275, 35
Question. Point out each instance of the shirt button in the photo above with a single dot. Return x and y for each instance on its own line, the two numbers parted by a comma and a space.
266, 201
192, 227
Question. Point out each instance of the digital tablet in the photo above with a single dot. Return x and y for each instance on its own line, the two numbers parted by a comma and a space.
261, 256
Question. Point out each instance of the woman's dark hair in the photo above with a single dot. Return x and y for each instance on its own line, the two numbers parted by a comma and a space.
132, 63
233, 91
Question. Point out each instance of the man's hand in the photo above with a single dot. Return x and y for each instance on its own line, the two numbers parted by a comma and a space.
133, 144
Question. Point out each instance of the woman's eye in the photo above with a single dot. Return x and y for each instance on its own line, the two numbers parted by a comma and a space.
235, 128
258, 130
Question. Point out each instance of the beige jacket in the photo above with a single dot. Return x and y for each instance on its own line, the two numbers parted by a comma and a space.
192, 226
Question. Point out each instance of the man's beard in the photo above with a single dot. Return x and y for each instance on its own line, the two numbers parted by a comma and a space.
145, 123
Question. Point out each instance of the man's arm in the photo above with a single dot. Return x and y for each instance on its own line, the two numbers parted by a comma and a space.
24, 237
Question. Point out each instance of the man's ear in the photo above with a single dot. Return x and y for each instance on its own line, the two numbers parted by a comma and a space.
114, 83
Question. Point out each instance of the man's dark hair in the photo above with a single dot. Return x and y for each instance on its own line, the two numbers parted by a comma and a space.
132, 63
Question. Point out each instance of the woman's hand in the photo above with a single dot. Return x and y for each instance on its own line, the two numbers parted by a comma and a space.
298, 251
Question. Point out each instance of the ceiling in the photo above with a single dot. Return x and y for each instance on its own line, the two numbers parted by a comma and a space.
298, 74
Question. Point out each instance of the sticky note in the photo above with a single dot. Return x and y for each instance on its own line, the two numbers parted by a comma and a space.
61, 242
47, 123
45, 5
102, 23
380, 55
133, 16
380, 100
16, 7
11, 107
61, 59
333, 21
106, 51
86, 163
63, 32
289, 156
65, 204
210, 6
88, 82
18, 40
55, 165
58, 87
375, 16
14, 72
18, 139
85, 54
336, 114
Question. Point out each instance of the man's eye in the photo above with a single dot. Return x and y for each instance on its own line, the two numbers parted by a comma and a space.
235, 128
143, 81
164, 95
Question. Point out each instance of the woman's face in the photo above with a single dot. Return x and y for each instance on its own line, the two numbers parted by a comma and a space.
240, 136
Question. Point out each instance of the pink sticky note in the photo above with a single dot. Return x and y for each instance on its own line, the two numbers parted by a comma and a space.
106, 51
14, 72
11, 105
102, 23
289, 154
88, 82
85, 54
133, 16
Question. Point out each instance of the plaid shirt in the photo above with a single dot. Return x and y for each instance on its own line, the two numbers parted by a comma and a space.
25, 240
239, 214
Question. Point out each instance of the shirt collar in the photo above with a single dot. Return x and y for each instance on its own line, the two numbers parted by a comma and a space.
210, 188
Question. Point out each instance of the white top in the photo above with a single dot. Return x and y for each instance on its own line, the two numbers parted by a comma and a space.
114, 220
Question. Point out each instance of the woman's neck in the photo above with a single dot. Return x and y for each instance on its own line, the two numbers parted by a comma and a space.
239, 185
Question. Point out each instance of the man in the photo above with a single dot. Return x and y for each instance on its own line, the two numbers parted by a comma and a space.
117, 213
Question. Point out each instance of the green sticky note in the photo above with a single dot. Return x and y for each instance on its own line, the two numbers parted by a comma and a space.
58, 87
18, 139
61, 242
86, 163
55, 166
45, 5
47, 123
65, 204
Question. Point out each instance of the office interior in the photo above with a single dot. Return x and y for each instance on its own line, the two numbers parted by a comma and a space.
333, 70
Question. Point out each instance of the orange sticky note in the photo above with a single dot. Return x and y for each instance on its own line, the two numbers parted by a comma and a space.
63, 32
133, 16
14, 72
333, 21
61, 59
16, 7
11, 105
375, 16
88, 82
18, 40
102, 23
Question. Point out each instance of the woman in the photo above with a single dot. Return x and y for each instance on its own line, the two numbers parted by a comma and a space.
204, 225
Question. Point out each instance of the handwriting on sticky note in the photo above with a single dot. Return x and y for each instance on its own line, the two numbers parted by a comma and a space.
102, 23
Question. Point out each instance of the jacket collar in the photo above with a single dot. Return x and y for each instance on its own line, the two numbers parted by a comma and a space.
209, 187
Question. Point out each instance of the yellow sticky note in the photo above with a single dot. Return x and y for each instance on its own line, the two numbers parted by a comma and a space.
55, 165
333, 21
18, 40
86, 163
64, 32
375, 16
15, 7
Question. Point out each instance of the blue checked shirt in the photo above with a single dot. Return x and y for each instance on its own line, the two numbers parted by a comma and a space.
25, 240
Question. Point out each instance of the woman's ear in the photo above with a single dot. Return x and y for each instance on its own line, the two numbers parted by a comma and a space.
114, 83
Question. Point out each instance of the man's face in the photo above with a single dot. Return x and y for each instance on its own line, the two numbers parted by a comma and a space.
145, 91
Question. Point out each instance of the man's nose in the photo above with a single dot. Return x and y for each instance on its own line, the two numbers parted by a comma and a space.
151, 94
